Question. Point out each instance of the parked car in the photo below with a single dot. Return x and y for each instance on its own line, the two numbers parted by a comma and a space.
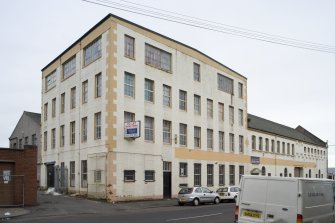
197, 195
228, 193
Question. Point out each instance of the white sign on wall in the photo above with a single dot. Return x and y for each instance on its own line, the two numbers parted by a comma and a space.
132, 129
6, 176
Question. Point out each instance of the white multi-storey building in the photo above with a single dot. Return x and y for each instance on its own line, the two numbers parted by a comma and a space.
191, 111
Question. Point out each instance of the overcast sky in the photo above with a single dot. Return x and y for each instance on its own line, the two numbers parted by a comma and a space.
287, 85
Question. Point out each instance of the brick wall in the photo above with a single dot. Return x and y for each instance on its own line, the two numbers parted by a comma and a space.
25, 163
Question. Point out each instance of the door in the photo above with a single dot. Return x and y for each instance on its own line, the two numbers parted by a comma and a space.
7, 185
50, 175
166, 180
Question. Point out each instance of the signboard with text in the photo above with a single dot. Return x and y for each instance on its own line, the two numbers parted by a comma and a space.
255, 160
132, 129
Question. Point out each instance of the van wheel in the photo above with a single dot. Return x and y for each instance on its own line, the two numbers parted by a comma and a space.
216, 200
196, 202
235, 198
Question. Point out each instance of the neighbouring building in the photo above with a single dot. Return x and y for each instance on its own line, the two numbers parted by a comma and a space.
128, 113
27, 132
18, 173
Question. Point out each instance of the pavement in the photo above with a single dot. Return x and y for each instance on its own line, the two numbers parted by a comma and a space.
66, 205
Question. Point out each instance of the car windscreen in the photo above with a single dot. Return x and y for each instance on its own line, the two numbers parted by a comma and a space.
186, 191
225, 189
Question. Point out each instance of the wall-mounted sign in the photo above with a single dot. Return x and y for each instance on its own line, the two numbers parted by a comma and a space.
255, 160
6, 176
132, 129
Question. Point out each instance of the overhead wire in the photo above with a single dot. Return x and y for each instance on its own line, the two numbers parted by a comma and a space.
212, 26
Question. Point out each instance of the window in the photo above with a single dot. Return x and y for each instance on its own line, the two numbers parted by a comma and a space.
263, 171
283, 147
231, 175
20, 143
266, 144
84, 129
73, 97
241, 172
225, 84
129, 117
278, 147
260, 143
84, 92
210, 176
197, 174
69, 67
45, 139
92, 52
149, 90
129, 175
209, 108
62, 103
285, 172
240, 90
72, 173
149, 175
53, 108
221, 141
149, 124
61, 136
166, 96
221, 175
196, 72
231, 115
241, 144
209, 138
240, 117
221, 111
157, 58
45, 111
34, 139
272, 146
166, 132
97, 125
72, 133
84, 173
26, 140
253, 142
289, 149
182, 100
231, 142
182, 134
97, 176
98, 85
197, 137
129, 84
129, 46
294, 151
197, 104
50, 80
183, 169
53, 138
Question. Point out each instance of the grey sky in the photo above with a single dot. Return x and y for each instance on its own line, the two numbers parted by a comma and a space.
286, 85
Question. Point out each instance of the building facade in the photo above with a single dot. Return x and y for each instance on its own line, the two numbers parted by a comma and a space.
191, 109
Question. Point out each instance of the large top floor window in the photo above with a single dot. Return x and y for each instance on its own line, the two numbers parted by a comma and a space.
50, 80
225, 84
157, 58
92, 52
69, 67
196, 72
129, 46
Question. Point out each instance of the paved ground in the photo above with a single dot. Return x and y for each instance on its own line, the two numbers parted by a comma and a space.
63, 205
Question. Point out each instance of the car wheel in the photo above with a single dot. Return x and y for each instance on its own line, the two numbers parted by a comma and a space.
235, 198
216, 200
196, 202
181, 204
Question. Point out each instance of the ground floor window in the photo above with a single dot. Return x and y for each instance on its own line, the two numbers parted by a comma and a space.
84, 173
210, 176
129, 175
72, 173
197, 174
221, 175
231, 175
149, 175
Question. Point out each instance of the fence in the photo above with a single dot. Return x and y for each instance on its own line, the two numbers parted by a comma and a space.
61, 179
11, 190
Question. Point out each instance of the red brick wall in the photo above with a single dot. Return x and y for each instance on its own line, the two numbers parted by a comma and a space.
25, 163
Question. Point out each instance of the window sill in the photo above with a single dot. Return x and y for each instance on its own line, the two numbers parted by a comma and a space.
130, 57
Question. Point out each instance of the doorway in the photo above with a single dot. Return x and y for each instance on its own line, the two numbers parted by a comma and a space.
51, 175
167, 180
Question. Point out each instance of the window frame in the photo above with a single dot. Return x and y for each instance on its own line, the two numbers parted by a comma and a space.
129, 175
129, 47
92, 52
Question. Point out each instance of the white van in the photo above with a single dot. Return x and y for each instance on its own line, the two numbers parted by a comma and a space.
285, 200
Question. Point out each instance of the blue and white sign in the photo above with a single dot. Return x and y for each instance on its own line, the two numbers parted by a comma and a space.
132, 129
255, 160
6, 176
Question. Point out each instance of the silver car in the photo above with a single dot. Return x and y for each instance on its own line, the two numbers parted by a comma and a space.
197, 195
